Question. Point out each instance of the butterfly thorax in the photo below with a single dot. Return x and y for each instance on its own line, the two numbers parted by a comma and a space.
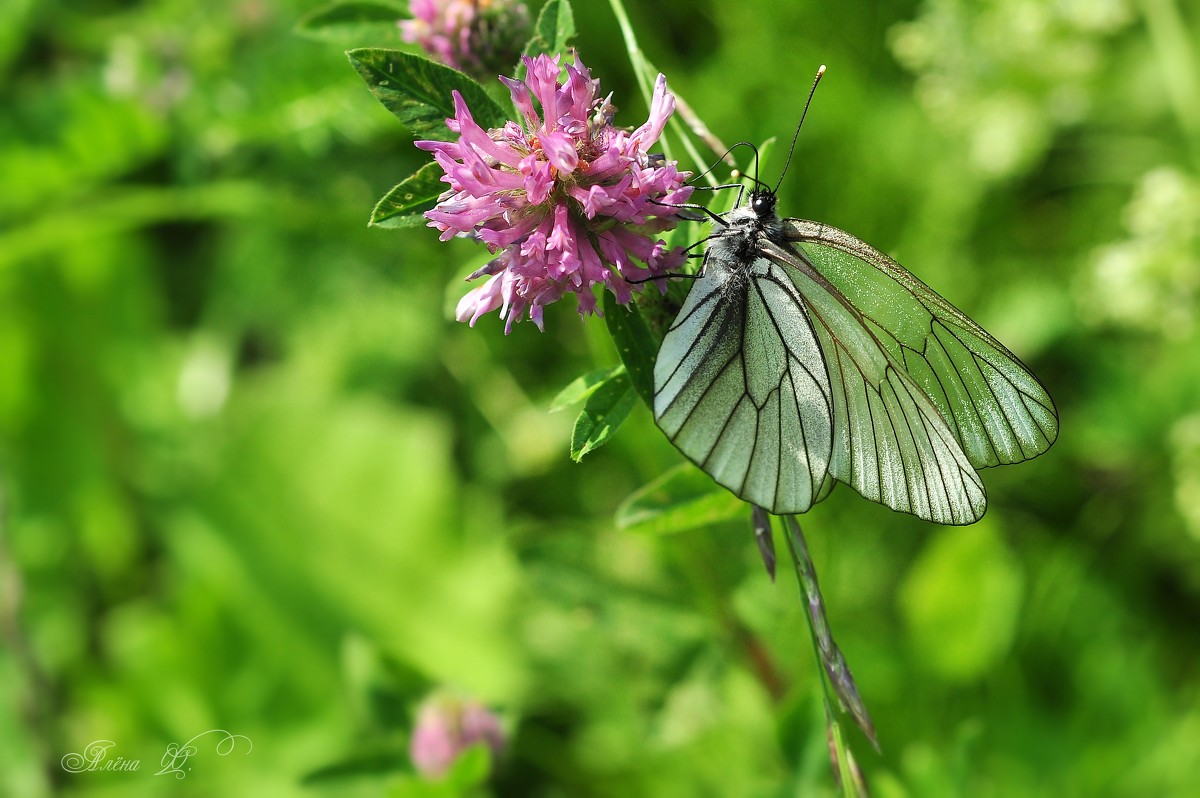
736, 246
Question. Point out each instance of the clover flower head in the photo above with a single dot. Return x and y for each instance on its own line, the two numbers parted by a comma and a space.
446, 726
474, 36
566, 199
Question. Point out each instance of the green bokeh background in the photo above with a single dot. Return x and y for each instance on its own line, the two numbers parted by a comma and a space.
256, 478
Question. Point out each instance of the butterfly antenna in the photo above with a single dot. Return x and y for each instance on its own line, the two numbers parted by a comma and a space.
796, 135
717, 163
754, 179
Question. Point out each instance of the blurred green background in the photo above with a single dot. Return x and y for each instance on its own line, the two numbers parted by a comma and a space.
254, 476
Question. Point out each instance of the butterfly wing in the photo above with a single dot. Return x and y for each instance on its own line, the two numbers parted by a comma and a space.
740, 387
999, 412
891, 443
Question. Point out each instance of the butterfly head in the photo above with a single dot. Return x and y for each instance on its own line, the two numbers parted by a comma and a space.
762, 203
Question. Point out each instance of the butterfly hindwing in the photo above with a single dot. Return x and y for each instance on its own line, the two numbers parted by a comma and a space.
999, 411
890, 443
741, 389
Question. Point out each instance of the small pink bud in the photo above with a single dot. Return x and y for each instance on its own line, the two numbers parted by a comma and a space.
447, 726
477, 38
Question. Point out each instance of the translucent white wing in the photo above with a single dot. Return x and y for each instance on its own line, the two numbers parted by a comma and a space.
740, 387
891, 443
998, 410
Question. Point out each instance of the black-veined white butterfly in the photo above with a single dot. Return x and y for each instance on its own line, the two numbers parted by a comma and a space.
803, 355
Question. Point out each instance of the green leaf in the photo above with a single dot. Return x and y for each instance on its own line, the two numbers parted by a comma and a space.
606, 408
405, 204
583, 387
553, 31
683, 498
354, 20
467, 773
637, 346
417, 91
471, 768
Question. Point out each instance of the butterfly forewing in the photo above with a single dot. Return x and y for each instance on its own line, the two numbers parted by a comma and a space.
998, 410
741, 390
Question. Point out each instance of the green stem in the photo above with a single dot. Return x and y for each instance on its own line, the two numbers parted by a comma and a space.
1172, 47
848, 777
700, 130
696, 125
834, 674
646, 73
636, 60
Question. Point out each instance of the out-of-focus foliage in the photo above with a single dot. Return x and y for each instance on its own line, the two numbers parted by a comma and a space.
255, 478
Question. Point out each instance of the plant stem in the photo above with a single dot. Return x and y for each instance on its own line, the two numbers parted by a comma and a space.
636, 59
646, 73
697, 127
835, 673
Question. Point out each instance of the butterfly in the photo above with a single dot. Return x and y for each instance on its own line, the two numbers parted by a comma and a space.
804, 356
